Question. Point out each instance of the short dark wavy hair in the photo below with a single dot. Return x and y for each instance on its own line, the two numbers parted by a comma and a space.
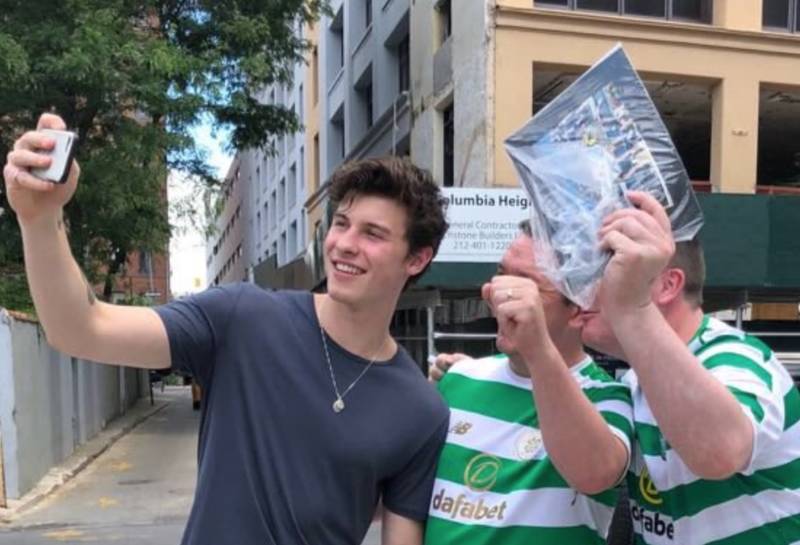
397, 179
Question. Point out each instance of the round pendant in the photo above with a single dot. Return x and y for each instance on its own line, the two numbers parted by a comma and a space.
338, 405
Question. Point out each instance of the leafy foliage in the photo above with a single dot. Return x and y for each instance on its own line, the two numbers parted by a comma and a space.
132, 78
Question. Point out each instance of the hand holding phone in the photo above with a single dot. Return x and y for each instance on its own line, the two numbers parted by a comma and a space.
62, 155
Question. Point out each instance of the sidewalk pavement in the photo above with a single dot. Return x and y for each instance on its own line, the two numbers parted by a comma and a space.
82, 457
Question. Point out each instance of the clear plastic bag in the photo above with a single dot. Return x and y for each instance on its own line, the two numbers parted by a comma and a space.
577, 158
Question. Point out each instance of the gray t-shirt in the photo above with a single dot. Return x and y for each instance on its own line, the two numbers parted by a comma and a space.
276, 464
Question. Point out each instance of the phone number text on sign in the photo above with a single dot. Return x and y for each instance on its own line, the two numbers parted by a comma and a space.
483, 222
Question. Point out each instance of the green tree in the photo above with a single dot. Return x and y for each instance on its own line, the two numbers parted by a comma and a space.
132, 78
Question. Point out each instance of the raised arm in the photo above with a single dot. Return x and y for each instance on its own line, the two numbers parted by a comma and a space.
74, 321
573, 429
698, 415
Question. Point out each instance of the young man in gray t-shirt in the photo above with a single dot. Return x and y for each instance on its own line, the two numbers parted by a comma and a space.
313, 411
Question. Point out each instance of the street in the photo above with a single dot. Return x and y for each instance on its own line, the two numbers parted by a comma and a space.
138, 492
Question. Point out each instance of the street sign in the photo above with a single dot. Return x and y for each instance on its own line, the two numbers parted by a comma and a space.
483, 222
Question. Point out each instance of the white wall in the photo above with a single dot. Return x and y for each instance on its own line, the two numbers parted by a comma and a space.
50, 403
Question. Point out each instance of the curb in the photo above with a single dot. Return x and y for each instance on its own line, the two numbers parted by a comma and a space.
83, 455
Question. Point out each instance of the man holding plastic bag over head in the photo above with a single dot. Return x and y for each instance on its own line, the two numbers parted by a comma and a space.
717, 417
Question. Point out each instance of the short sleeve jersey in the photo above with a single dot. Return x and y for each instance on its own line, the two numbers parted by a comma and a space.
495, 483
761, 504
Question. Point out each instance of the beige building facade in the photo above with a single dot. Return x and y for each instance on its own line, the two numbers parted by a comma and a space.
734, 58
721, 81
724, 75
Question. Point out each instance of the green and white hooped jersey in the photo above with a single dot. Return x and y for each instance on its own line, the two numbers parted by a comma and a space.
760, 505
495, 483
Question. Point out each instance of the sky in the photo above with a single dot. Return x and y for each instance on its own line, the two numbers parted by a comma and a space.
188, 249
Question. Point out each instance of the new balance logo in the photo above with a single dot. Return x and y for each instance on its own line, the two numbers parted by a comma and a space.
461, 428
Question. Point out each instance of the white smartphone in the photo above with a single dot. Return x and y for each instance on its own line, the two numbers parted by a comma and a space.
62, 153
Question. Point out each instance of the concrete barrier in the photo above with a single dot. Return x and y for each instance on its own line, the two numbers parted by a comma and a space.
50, 402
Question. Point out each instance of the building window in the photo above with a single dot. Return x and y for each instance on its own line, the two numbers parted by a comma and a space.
370, 108
303, 219
342, 143
366, 99
602, 5
316, 166
315, 75
445, 20
645, 7
297, 137
690, 10
292, 186
448, 155
367, 13
145, 262
272, 213
301, 178
693, 10
265, 163
292, 243
273, 161
341, 49
403, 66
336, 57
282, 198
337, 138
781, 15
300, 105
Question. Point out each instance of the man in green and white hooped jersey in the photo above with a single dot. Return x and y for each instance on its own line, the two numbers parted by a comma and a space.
537, 440
672, 505
717, 417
